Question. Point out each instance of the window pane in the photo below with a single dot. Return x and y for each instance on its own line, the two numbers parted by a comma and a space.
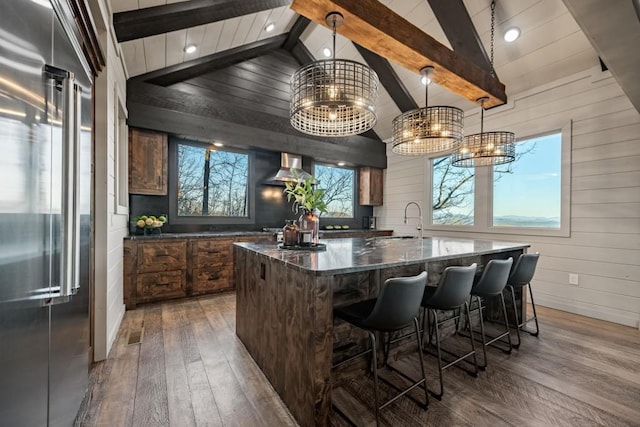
453, 193
222, 193
526, 193
338, 184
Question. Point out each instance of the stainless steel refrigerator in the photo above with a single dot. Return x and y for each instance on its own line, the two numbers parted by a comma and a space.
45, 214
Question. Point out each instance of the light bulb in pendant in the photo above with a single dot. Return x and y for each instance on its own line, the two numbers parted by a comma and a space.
333, 114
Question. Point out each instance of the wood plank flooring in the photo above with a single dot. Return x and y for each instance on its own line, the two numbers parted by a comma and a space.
191, 370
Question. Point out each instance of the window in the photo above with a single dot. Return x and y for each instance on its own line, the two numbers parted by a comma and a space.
452, 197
528, 196
527, 193
339, 186
212, 182
121, 158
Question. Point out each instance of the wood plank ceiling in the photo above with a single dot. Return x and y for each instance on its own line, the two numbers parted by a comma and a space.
551, 46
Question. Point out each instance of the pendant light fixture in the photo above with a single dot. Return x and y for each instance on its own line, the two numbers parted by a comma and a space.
427, 130
486, 148
334, 97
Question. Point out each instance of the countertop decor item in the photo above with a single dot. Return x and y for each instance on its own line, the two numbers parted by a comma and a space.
334, 97
149, 223
310, 200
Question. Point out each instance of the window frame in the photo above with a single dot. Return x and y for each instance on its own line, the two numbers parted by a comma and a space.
354, 189
483, 197
250, 219
120, 157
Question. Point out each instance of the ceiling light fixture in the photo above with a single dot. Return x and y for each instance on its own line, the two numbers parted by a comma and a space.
427, 130
341, 163
334, 97
326, 52
218, 144
269, 27
511, 34
486, 148
190, 48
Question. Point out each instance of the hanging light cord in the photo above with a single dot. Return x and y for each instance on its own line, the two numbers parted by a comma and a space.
334, 38
493, 23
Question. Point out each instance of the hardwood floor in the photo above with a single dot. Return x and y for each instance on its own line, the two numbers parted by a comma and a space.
191, 370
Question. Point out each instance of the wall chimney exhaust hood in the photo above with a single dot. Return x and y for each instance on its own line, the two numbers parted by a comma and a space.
289, 163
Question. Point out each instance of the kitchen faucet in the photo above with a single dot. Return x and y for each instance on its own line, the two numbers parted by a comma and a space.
419, 227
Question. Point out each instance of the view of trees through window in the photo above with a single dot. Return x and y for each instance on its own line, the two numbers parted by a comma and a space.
453, 193
338, 184
528, 195
526, 192
212, 182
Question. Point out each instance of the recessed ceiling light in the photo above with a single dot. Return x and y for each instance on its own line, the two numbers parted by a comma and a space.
190, 48
218, 144
511, 34
341, 163
269, 27
326, 52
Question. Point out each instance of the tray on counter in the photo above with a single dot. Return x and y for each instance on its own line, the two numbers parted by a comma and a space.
316, 247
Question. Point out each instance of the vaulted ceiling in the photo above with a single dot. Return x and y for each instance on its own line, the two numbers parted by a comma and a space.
551, 46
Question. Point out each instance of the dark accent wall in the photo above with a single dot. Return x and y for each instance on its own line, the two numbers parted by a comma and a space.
272, 208
245, 106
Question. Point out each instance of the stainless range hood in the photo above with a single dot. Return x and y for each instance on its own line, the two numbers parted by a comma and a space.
290, 163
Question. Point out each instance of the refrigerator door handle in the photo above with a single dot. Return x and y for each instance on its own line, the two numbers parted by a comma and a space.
75, 230
67, 262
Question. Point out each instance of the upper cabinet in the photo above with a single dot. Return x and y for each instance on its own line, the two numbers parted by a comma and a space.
148, 161
371, 186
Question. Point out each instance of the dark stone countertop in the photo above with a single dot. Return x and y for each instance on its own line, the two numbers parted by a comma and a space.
351, 255
199, 235
210, 234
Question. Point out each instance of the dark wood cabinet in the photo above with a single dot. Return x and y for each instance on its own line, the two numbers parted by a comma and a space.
148, 162
159, 269
371, 183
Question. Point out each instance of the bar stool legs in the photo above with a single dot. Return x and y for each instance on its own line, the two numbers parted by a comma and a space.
522, 324
485, 343
431, 312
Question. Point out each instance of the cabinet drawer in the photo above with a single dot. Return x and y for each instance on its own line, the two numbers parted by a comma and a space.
210, 253
211, 279
155, 286
162, 256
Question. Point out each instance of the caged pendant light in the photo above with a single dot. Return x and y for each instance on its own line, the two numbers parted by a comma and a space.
486, 148
427, 130
334, 97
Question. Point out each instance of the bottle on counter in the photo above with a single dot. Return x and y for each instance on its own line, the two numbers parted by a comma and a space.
290, 233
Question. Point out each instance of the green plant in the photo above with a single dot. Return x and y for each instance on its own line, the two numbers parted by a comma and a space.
305, 195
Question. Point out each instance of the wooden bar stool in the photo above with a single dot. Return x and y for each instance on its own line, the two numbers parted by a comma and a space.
521, 275
396, 307
491, 284
451, 294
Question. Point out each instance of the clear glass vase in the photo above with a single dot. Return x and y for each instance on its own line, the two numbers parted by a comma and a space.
309, 221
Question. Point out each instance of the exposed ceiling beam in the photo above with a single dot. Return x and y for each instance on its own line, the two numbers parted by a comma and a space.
186, 70
389, 79
298, 28
376, 27
136, 24
302, 54
614, 33
453, 17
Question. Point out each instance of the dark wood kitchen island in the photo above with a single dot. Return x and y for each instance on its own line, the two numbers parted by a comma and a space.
285, 302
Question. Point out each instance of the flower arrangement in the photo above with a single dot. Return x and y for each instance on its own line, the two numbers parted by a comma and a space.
150, 222
305, 196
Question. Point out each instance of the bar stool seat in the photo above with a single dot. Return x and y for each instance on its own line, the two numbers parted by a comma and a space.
396, 307
451, 294
521, 275
491, 284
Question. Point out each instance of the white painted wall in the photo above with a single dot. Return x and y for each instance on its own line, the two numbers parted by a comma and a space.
604, 244
110, 225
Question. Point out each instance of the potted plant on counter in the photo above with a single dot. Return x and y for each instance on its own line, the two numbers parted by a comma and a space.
310, 201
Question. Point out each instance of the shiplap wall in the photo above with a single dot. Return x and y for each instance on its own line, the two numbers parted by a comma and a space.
110, 224
604, 245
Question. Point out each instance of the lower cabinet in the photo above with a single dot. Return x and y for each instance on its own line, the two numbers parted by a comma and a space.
161, 269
